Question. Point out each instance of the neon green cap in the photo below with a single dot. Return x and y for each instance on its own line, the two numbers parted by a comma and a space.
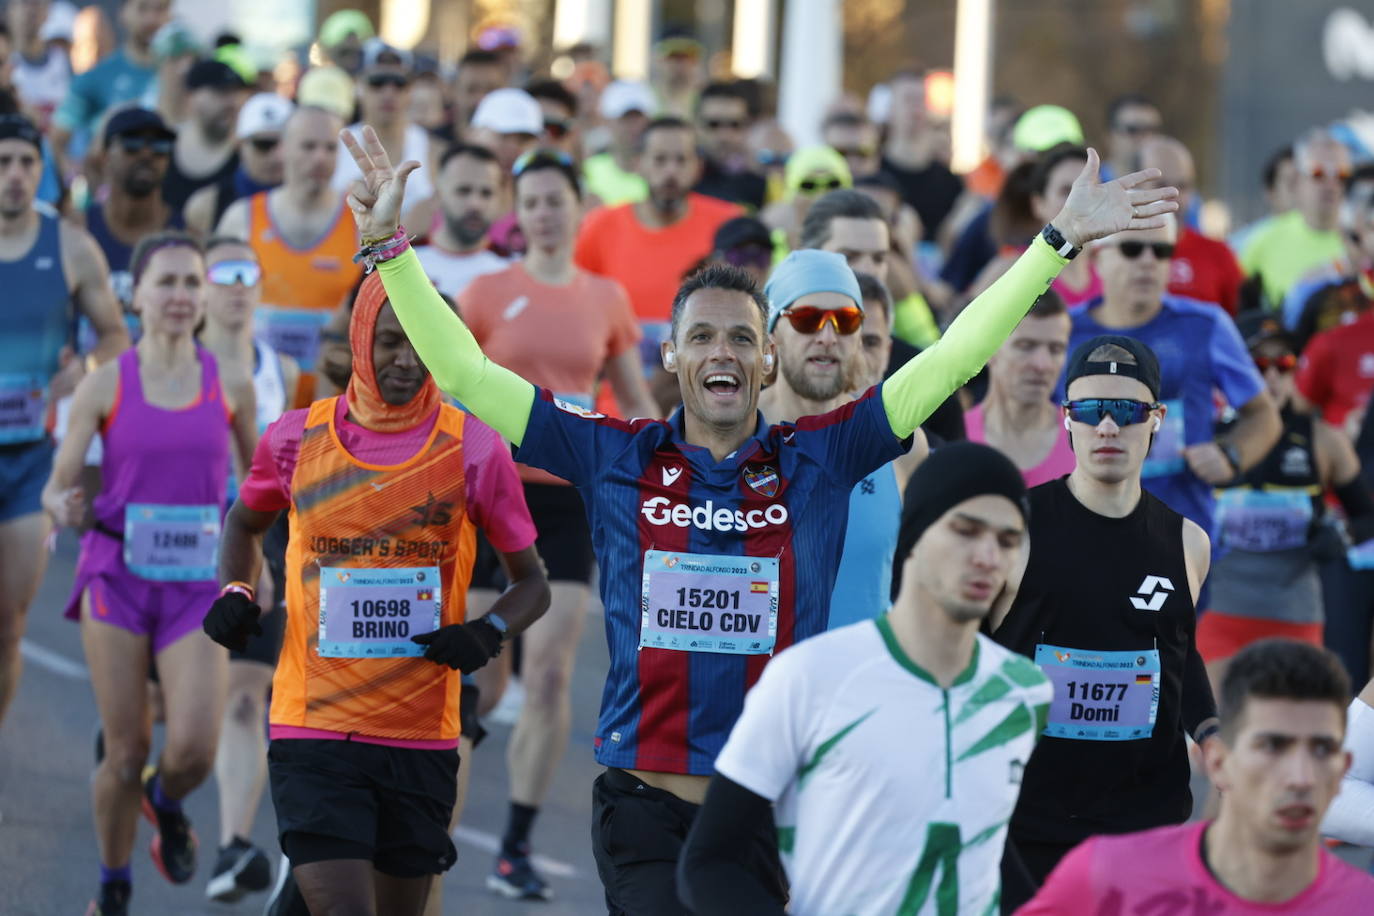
1044, 126
344, 23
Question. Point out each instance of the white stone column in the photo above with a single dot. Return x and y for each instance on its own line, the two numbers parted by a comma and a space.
972, 76
812, 66
756, 26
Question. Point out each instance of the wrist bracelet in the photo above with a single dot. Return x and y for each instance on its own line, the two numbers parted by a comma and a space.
375, 252
237, 587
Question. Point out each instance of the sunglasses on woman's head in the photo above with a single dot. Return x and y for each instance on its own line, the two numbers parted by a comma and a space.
1123, 411
230, 273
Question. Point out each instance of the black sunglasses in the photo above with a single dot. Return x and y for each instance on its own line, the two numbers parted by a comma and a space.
378, 80
264, 144
1123, 411
1132, 250
1138, 130
556, 128
135, 143
723, 124
824, 184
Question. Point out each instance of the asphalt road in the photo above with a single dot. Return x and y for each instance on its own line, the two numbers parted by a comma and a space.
48, 860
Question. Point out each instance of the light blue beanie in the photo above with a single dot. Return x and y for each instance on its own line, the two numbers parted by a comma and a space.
807, 271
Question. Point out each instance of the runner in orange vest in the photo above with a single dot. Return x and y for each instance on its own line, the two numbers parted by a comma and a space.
385, 486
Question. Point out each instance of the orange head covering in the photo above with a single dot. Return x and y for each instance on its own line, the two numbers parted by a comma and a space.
364, 398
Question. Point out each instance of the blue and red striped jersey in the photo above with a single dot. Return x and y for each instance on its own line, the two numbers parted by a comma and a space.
784, 494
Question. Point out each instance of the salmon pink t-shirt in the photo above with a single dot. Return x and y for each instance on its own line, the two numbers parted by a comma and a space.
556, 337
1057, 463
650, 263
1161, 871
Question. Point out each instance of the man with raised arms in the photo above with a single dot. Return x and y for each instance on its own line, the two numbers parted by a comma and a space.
718, 535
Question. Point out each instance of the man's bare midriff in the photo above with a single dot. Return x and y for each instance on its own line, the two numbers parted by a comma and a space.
691, 789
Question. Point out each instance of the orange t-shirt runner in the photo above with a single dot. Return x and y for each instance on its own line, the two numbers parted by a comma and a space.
301, 287
650, 263
556, 337
364, 506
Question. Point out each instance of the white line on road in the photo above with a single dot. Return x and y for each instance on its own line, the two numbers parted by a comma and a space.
57, 664
489, 842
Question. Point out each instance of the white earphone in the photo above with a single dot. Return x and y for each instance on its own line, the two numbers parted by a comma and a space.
768, 362
1066, 424
670, 360
1156, 424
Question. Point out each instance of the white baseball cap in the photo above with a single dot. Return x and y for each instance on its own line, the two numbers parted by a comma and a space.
263, 113
60, 22
509, 111
624, 96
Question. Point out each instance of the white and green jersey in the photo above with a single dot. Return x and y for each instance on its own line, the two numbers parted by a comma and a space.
891, 794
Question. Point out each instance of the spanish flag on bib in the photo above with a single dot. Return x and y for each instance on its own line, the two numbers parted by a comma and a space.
347, 513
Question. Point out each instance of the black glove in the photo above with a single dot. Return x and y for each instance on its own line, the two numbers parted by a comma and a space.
464, 646
231, 620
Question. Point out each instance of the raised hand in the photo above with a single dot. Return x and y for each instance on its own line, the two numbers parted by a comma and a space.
1095, 210
375, 199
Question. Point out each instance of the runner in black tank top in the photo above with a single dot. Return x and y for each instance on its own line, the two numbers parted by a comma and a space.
1106, 608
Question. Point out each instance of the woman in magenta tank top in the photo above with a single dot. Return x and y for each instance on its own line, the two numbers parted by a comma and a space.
169, 417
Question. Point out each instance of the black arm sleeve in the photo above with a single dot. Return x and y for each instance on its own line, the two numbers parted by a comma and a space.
1198, 704
714, 874
1359, 508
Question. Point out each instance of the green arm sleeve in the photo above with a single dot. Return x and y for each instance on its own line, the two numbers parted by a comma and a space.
495, 395
915, 390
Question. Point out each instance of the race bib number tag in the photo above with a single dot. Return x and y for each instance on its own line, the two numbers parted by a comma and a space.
1166, 455
372, 613
696, 602
295, 332
171, 543
1263, 521
1101, 696
23, 406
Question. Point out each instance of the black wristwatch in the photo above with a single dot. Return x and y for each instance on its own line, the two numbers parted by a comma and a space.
1232, 453
1056, 240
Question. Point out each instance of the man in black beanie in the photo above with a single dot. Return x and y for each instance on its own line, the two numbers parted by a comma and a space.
890, 751
1106, 609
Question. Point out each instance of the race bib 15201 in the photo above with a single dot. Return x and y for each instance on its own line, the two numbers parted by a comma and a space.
696, 602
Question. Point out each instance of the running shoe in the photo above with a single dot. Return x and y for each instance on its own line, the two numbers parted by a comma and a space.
240, 869
113, 899
515, 877
174, 845
286, 899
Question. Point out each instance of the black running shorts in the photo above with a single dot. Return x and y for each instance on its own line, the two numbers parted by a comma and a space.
350, 800
564, 540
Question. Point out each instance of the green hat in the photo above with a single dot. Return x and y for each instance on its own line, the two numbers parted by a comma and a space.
344, 23
1044, 126
808, 161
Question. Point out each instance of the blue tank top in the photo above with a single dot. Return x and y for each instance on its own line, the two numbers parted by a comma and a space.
38, 322
863, 586
117, 254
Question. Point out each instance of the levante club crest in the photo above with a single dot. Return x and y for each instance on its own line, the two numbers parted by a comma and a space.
763, 480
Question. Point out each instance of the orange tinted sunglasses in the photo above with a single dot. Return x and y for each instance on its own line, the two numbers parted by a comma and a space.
1285, 363
808, 319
